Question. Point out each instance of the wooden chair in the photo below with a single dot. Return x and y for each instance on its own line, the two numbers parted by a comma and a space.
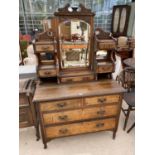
127, 80
133, 125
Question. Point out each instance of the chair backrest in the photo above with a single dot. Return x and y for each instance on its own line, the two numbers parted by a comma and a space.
127, 78
122, 41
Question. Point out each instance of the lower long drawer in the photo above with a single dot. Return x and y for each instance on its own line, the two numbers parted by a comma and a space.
79, 128
80, 114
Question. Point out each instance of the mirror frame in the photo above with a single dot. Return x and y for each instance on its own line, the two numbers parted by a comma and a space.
121, 8
80, 13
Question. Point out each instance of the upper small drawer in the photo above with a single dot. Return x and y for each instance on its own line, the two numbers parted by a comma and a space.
105, 69
47, 73
58, 105
107, 45
101, 100
43, 48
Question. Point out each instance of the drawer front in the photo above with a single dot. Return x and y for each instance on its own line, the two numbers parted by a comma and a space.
78, 128
101, 100
61, 105
25, 117
76, 115
61, 117
47, 73
100, 112
74, 46
78, 79
107, 45
47, 62
105, 69
42, 48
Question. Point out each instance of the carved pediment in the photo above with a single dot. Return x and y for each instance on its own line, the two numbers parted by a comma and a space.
72, 11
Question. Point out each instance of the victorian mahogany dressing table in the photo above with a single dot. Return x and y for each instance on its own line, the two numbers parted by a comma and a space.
77, 104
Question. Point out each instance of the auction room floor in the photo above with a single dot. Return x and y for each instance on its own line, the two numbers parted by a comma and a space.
100, 143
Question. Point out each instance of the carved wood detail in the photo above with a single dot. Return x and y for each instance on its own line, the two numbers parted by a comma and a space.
74, 11
101, 34
46, 36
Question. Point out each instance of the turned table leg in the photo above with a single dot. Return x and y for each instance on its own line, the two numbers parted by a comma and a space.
114, 134
37, 122
133, 125
37, 132
45, 145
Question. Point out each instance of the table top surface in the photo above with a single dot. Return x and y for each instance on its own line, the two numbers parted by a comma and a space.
51, 92
130, 62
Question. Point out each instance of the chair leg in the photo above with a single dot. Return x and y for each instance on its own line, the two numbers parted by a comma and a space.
133, 125
127, 117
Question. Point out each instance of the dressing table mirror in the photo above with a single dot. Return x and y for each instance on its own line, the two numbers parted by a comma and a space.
75, 108
74, 43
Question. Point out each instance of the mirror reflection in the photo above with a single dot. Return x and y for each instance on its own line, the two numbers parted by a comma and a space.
74, 43
116, 20
101, 54
122, 20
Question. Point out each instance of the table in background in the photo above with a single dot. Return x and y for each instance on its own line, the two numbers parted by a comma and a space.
27, 71
27, 76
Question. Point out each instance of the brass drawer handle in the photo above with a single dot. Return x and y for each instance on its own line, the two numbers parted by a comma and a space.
61, 105
63, 131
99, 125
47, 73
69, 80
100, 112
85, 78
65, 117
45, 48
101, 100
